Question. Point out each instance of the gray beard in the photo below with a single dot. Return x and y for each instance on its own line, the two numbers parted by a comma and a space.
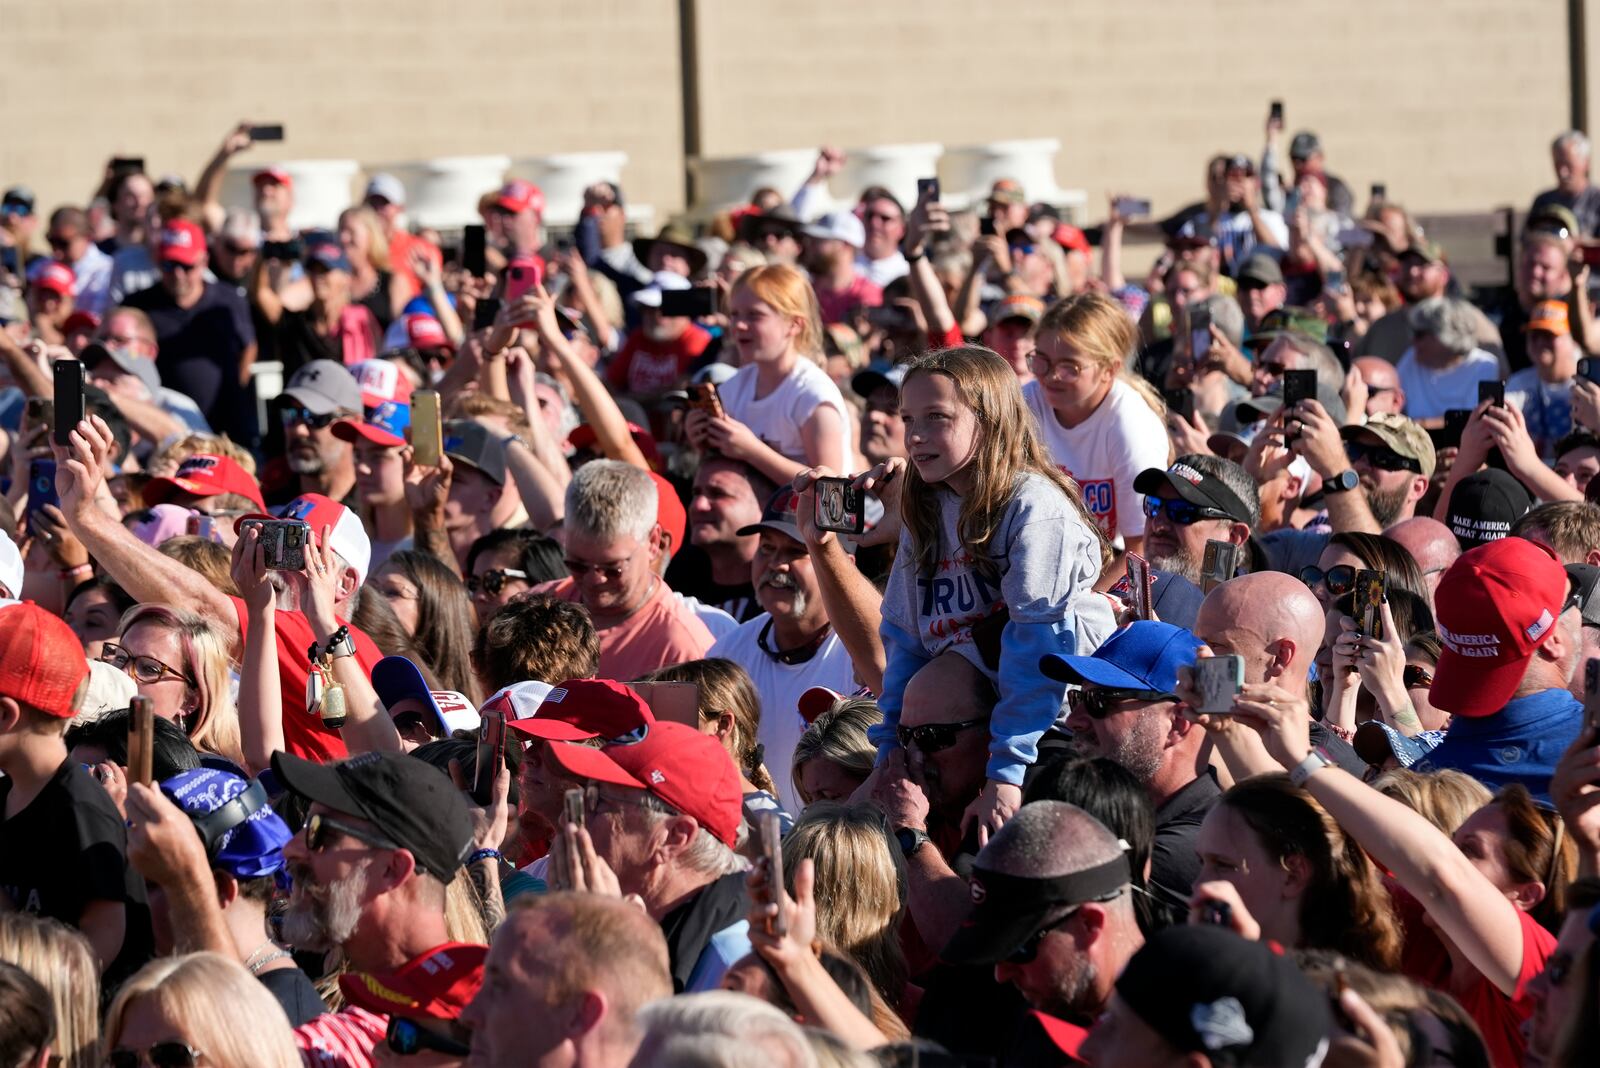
302, 464
1179, 563
325, 917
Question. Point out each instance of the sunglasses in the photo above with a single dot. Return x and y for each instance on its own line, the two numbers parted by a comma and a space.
406, 1037
291, 415
143, 669
932, 737
1096, 702
320, 828
1380, 456
492, 582
59, 242
239, 250
160, 1055
173, 266
1025, 953
1340, 579
610, 572
1415, 675
1180, 511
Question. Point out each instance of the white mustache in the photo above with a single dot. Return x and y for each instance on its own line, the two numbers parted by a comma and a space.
778, 579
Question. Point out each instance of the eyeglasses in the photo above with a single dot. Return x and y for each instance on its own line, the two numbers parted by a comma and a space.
1046, 368
1029, 949
238, 250
1415, 675
1381, 457
173, 266
610, 572
291, 414
932, 737
407, 1037
1340, 579
492, 582
1180, 511
320, 827
160, 1055
880, 217
143, 669
1096, 701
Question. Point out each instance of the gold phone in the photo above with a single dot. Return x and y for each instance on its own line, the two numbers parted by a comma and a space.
427, 430
141, 740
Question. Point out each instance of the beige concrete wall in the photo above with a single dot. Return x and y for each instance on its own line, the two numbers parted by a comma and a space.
371, 80
1451, 101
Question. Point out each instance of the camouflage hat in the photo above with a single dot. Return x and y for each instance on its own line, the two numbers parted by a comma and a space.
1430, 251
1552, 218
1007, 191
1400, 434
1289, 320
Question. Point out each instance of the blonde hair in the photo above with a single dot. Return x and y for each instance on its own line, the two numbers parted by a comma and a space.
164, 462
787, 291
208, 995
839, 736
202, 555
725, 686
60, 958
377, 240
1007, 449
1096, 326
860, 886
215, 728
1443, 798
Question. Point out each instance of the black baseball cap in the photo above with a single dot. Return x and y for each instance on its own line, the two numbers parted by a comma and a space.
1484, 505
1007, 910
472, 443
778, 516
1585, 579
413, 803
1194, 486
1206, 990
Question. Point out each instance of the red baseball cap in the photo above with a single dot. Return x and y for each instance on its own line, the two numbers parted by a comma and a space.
437, 985
41, 660
583, 437
1494, 607
183, 242
382, 380
205, 475
426, 332
54, 276
580, 709
518, 195
688, 770
272, 174
81, 321
1071, 238
670, 512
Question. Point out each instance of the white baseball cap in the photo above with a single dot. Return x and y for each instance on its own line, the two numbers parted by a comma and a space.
10, 566
650, 295
386, 186
839, 226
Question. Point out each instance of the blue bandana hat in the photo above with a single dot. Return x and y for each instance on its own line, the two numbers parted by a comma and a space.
252, 849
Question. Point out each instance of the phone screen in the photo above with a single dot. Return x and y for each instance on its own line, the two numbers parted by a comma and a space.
69, 399
474, 250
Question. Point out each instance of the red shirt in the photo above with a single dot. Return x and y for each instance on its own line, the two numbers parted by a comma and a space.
648, 366
1500, 1018
837, 305
303, 733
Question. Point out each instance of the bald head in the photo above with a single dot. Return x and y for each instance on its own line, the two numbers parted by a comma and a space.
1268, 618
947, 689
1383, 384
1049, 838
1430, 543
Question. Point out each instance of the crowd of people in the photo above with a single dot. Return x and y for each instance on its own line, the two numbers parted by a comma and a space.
829, 635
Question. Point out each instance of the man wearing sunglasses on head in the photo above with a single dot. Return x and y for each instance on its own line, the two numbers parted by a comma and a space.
1052, 911
384, 836
1124, 707
320, 395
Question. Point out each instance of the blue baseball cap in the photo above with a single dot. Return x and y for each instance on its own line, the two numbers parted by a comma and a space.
1145, 655
248, 846
382, 424
396, 679
324, 249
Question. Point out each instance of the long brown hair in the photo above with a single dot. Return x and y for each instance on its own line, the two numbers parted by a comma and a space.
445, 624
1345, 906
1538, 850
1008, 448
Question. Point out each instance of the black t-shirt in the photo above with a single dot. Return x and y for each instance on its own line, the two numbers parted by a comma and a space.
297, 343
377, 301
295, 993
200, 347
67, 849
1174, 861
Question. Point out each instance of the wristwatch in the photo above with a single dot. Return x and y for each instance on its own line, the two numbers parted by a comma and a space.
910, 840
1314, 762
1343, 482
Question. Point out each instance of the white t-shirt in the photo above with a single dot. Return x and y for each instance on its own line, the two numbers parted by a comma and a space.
777, 418
1430, 392
780, 686
1105, 453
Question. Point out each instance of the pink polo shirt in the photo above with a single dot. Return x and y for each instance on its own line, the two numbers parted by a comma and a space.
660, 633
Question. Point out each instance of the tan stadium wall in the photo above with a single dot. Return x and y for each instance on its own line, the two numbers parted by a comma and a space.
1452, 102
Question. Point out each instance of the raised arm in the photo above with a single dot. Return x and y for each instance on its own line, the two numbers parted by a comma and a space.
143, 572
855, 607
260, 686
1467, 908
208, 187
